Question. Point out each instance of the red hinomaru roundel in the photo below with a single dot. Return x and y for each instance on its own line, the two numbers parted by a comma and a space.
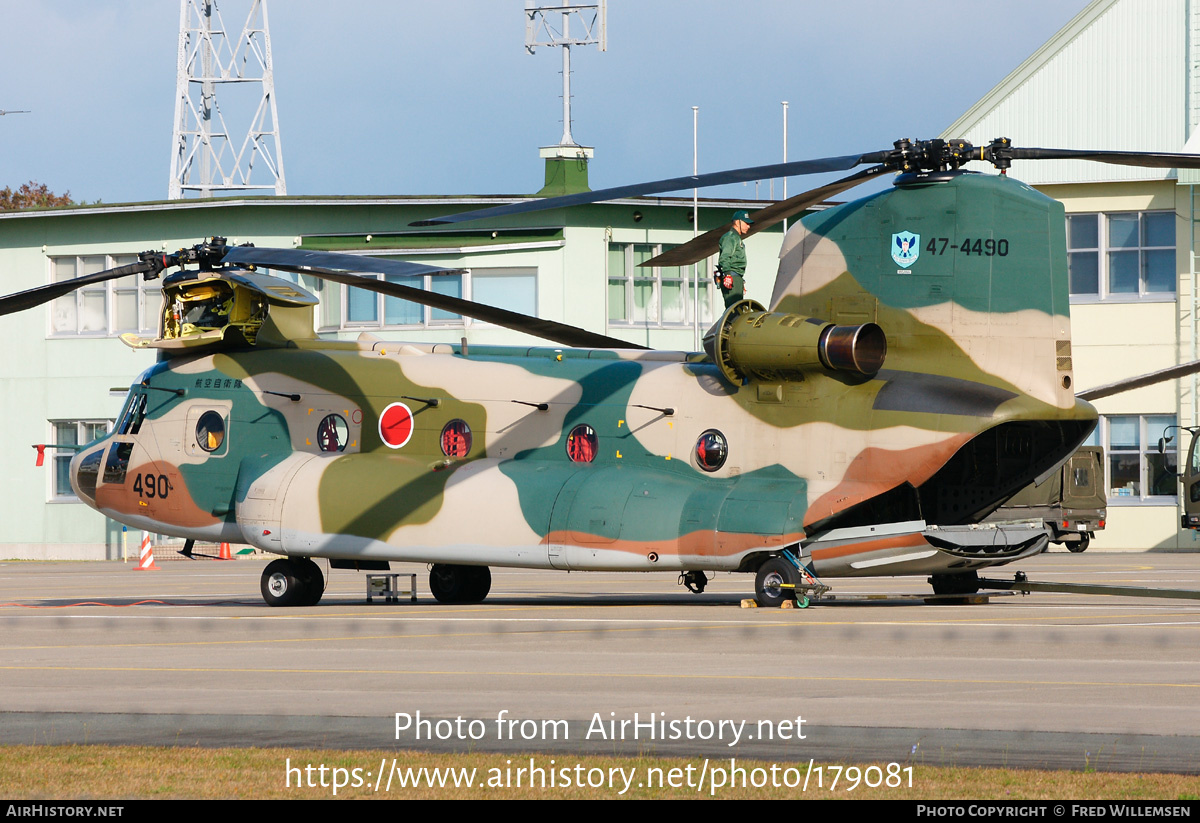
395, 425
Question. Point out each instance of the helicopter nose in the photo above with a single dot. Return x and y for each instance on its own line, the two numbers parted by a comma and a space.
84, 472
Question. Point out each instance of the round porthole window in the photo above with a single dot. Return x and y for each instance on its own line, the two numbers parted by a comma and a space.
456, 438
333, 433
711, 450
582, 444
210, 431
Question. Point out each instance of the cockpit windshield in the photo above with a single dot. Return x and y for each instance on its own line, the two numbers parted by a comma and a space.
132, 415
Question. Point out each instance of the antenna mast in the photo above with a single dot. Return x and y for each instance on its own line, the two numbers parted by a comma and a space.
205, 159
551, 26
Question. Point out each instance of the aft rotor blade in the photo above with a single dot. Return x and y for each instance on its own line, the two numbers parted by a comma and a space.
1157, 160
306, 262
707, 244
44, 294
1131, 383
691, 181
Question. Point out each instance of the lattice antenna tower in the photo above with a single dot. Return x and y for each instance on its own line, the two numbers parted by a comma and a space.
206, 158
551, 26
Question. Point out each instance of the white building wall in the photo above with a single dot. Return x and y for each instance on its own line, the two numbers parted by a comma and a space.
1115, 77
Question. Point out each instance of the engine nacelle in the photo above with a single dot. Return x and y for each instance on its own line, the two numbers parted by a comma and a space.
751, 343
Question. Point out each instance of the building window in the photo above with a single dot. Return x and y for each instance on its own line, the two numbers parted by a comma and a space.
71, 433
1121, 255
514, 289
658, 296
1136, 472
124, 304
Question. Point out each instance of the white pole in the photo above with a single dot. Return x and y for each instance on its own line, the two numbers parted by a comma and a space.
695, 231
567, 140
785, 107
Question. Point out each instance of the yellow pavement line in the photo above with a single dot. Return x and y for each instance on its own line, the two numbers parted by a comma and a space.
615, 676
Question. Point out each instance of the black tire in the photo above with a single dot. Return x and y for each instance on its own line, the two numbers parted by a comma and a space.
769, 589
480, 578
312, 581
459, 584
282, 583
962, 583
1081, 544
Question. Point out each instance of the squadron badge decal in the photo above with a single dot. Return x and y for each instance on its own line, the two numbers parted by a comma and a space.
906, 248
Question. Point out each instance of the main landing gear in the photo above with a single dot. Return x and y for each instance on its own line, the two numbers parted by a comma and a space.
459, 584
292, 581
962, 583
784, 577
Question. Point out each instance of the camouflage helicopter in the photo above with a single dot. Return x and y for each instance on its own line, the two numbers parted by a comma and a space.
912, 373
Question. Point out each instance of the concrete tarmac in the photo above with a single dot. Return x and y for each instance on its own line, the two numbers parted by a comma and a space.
598, 663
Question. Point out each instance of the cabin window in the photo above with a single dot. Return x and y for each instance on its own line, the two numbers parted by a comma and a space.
1121, 256
1135, 471
653, 296
456, 438
124, 304
210, 431
347, 307
711, 450
582, 444
333, 433
71, 433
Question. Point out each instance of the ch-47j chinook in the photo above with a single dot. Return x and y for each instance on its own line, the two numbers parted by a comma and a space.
912, 372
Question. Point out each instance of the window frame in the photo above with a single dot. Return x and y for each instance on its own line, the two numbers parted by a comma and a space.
148, 296
1146, 450
631, 274
54, 495
1104, 248
428, 321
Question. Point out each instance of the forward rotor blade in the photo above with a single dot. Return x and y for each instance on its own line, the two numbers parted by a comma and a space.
692, 181
44, 294
707, 244
322, 265
1131, 383
1157, 160
300, 261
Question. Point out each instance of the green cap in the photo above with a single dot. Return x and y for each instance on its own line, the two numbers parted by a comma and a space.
742, 215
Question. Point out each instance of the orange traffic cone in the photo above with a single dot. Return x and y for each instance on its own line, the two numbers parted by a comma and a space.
226, 554
146, 562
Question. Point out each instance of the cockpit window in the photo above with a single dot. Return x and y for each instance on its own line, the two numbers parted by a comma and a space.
210, 431
133, 414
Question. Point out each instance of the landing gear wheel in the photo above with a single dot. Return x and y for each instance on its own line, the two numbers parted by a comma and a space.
479, 580
1080, 545
313, 582
770, 582
962, 583
283, 583
459, 584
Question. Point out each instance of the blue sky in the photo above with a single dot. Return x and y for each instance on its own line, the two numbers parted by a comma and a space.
424, 98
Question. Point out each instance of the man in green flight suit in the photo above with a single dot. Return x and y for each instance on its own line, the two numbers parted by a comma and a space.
731, 265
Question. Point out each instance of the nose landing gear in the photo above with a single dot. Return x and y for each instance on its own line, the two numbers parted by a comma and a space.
292, 581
